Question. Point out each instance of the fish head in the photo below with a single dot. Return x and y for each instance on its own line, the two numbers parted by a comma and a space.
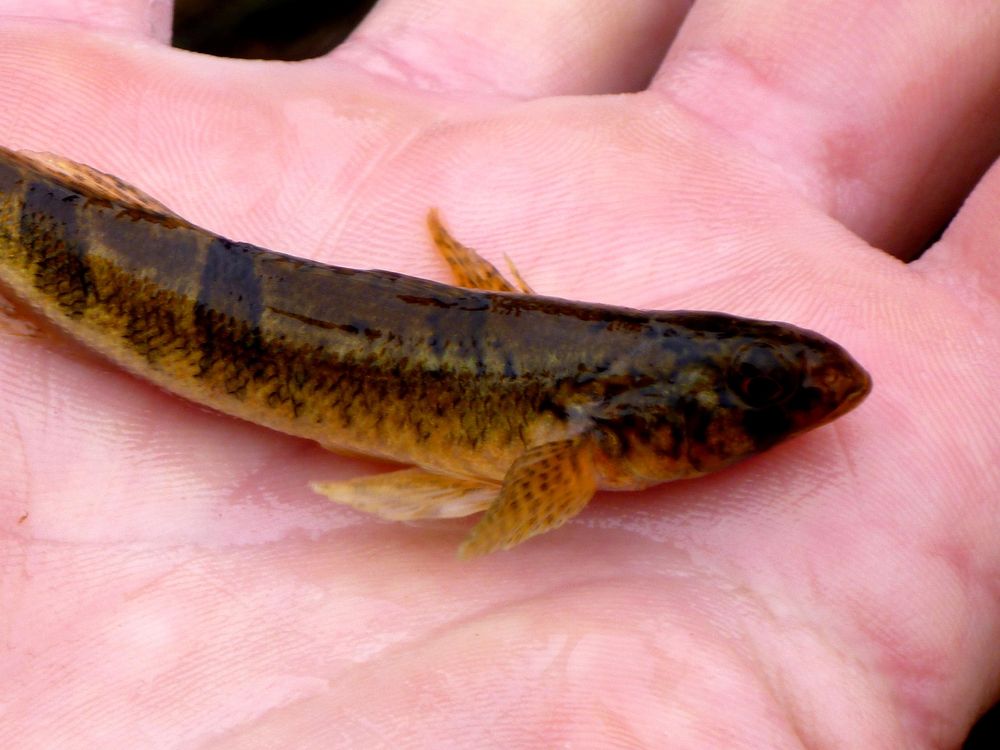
714, 389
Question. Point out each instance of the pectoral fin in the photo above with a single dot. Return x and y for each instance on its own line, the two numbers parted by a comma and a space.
468, 267
543, 489
410, 494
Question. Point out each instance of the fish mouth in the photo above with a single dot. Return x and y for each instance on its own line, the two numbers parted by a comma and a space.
862, 386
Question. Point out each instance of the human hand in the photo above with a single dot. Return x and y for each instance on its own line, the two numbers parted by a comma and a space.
167, 574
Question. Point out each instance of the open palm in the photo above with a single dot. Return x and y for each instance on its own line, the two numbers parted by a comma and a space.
166, 574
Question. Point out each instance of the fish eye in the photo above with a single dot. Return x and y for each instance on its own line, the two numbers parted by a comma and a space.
761, 376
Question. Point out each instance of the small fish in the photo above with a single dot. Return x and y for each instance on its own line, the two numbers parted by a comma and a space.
498, 399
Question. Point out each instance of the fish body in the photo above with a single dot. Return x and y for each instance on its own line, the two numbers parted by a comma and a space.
516, 403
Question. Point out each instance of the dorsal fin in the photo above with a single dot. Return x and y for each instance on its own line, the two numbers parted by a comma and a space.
469, 268
94, 183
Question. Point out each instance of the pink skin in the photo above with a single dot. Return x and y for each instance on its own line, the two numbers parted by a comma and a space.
166, 575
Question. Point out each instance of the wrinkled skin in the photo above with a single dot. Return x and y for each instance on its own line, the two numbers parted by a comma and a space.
166, 575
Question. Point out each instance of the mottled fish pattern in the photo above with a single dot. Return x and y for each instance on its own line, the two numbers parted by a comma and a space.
500, 400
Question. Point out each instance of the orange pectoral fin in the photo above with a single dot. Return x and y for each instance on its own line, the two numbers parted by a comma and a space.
543, 489
467, 266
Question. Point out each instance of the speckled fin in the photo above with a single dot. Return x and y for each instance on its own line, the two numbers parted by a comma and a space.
543, 489
410, 494
469, 269
90, 181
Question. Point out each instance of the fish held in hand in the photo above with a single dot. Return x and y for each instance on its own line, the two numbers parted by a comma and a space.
499, 400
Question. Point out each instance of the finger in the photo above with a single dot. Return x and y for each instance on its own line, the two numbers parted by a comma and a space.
519, 48
142, 18
966, 257
879, 112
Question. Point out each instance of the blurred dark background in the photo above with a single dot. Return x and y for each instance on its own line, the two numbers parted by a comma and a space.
300, 29
265, 29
